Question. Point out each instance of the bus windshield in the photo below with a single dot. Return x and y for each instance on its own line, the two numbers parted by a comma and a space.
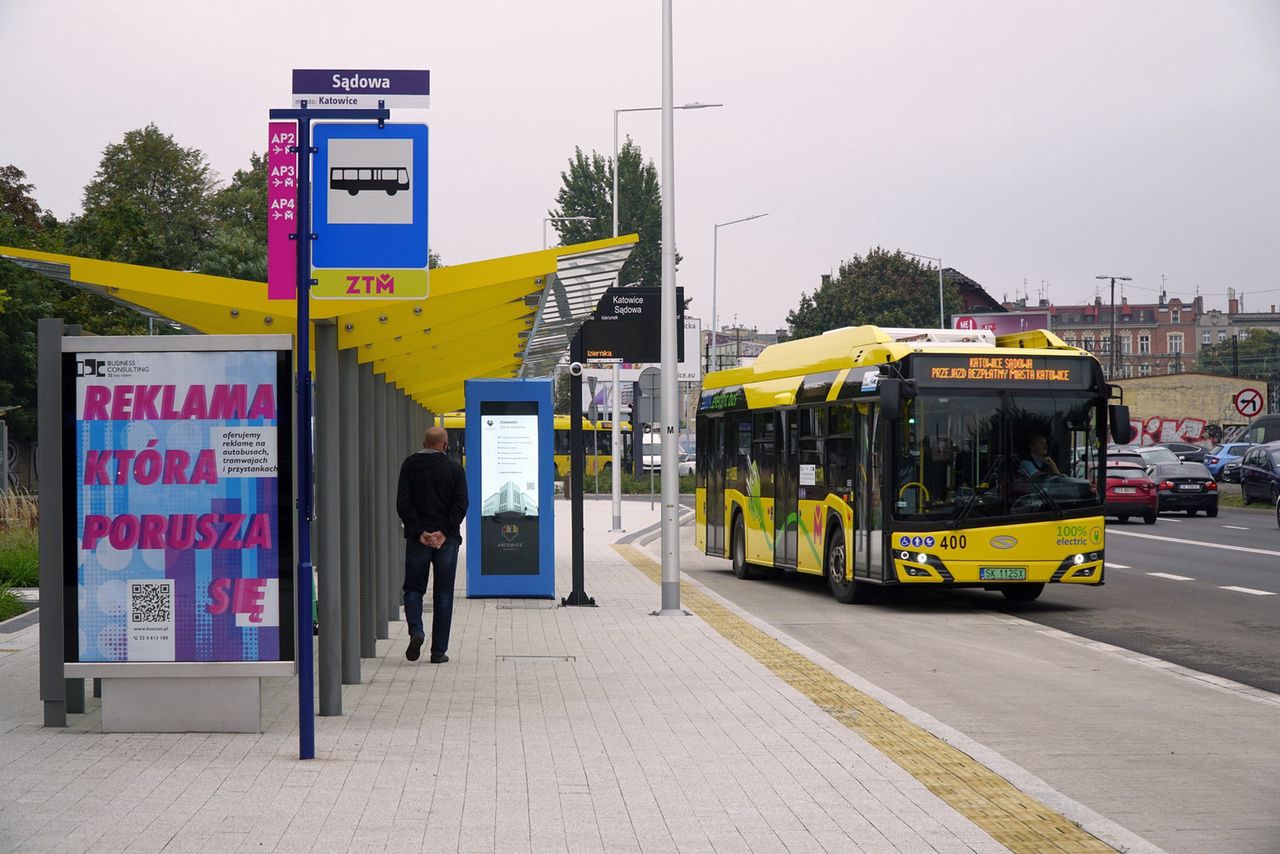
970, 455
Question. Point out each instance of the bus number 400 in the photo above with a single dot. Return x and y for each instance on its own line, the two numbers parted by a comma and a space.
953, 541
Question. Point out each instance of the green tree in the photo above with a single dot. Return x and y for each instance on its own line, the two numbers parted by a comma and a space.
1256, 355
149, 203
587, 190
883, 289
237, 247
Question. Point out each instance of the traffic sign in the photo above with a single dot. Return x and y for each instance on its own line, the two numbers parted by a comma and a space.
338, 88
369, 203
282, 210
1248, 402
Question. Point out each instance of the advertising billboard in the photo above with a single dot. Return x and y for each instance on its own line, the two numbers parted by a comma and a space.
1003, 322
180, 468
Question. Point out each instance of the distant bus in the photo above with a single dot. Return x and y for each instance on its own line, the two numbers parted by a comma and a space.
599, 453
392, 179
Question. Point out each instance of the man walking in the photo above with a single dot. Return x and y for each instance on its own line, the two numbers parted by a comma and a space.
431, 499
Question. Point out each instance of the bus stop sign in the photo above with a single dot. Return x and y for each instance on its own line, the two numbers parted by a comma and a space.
369, 203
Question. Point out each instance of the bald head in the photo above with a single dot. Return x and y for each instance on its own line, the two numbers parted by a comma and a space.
437, 438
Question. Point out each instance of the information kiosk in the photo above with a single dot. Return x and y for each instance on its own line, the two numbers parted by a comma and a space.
510, 481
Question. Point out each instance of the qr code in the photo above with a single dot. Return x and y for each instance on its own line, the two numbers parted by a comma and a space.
151, 602
530, 486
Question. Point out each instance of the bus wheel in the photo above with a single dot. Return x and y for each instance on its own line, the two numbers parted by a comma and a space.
1023, 592
738, 549
844, 590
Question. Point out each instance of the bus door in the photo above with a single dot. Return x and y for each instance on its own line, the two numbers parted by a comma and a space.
714, 464
868, 510
785, 505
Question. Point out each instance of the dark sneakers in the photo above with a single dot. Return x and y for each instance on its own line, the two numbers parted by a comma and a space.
415, 647
439, 659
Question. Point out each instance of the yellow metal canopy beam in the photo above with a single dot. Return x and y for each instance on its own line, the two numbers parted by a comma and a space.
476, 321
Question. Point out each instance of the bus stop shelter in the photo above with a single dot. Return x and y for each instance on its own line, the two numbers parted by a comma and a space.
382, 368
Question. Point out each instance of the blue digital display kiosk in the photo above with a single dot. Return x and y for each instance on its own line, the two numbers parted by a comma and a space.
510, 481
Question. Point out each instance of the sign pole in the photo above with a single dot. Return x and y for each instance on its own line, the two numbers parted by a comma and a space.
616, 448
576, 480
306, 675
303, 238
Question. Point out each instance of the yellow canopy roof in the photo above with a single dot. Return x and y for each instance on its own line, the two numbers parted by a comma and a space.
502, 317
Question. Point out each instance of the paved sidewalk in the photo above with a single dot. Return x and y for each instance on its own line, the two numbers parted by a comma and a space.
551, 729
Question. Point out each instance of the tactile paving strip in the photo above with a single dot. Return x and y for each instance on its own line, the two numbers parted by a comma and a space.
1013, 818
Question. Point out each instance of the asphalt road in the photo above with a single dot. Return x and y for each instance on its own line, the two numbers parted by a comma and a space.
1171, 756
1199, 592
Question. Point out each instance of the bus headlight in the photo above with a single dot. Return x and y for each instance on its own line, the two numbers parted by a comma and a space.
1078, 559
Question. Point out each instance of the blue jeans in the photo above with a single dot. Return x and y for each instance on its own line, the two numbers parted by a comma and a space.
418, 560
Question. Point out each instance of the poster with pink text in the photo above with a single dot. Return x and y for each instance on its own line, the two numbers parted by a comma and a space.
183, 532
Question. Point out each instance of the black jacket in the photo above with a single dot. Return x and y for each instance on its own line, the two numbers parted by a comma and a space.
432, 495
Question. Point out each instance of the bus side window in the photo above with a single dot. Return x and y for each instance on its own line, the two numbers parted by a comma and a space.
562, 442
811, 445
839, 449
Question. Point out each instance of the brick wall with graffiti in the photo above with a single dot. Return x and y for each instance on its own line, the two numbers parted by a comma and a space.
1189, 407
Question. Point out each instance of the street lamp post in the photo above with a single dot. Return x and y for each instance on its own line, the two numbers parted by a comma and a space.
1111, 345
547, 219
942, 317
692, 105
715, 262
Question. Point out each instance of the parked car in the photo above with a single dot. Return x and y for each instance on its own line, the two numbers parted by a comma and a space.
1231, 472
1185, 486
1260, 473
1260, 430
1220, 455
1185, 451
1143, 455
1130, 492
651, 455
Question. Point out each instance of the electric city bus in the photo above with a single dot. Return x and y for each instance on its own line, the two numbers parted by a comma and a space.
879, 457
596, 440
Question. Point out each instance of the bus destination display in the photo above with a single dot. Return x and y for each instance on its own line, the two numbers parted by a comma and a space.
993, 370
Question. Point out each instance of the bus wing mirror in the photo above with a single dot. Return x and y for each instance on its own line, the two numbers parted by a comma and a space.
893, 393
1121, 428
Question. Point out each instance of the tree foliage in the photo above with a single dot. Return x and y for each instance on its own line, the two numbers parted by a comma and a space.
587, 190
237, 246
149, 203
883, 289
1256, 355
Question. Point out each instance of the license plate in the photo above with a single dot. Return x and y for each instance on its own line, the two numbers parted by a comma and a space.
1189, 487
1002, 573
1126, 490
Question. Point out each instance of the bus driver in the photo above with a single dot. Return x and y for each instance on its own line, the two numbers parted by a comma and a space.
1037, 460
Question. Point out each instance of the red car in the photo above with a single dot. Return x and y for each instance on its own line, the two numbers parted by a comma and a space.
1130, 492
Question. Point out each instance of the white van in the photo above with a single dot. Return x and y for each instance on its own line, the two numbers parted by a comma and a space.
651, 454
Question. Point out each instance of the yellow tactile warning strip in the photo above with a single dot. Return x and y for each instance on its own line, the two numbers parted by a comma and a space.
1013, 818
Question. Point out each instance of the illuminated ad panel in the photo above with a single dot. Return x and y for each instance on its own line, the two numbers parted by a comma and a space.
182, 490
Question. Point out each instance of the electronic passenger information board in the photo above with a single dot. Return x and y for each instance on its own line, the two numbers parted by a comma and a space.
511, 483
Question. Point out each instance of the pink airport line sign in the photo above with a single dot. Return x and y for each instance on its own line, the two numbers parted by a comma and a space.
282, 210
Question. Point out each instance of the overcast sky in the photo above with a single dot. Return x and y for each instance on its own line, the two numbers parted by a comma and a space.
1021, 141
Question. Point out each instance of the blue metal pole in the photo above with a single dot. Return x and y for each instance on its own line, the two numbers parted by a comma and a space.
306, 672
306, 628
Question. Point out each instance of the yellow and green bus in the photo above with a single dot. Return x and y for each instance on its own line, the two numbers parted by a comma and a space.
879, 457
596, 440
